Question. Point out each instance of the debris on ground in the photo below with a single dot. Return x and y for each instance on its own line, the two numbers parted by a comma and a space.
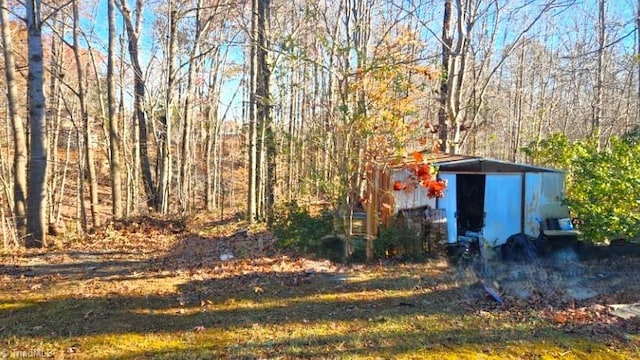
625, 311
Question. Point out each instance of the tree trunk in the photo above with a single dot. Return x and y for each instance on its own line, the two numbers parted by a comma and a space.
264, 110
87, 131
57, 171
133, 33
165, 171
114, 136
596, 124
252, 208
517, 107
210, 156
638, 59
447, 43
17, 125
195, 60
37, 188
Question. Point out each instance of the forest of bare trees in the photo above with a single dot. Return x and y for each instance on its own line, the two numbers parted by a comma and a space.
116, 108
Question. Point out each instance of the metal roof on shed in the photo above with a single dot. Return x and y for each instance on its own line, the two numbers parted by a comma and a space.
474, 164
484, 165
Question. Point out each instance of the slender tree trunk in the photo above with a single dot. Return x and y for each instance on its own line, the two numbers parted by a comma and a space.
291, 142
87, 130
517, 107
596, 124
264, 109
252, 208
141, 137
202, 27
210, 156
37, 188
638, 61
55, 100
447, 43
164, 181
130, 138
456, 75
17, 126
114, 136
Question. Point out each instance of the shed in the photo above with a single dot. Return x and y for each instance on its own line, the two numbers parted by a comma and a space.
483, 196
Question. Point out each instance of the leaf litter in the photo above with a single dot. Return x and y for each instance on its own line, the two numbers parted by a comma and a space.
153, 274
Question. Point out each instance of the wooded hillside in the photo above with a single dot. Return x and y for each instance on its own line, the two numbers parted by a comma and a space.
116, 108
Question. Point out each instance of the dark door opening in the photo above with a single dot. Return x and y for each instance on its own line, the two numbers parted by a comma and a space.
470, 202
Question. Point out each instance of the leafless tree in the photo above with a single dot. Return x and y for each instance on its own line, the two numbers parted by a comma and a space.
37, 187
17, 126
114, 137
133, 24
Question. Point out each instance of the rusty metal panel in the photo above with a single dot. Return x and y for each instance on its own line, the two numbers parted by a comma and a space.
541, 189
532, 201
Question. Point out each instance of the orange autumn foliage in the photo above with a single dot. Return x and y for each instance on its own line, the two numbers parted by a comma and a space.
421, 172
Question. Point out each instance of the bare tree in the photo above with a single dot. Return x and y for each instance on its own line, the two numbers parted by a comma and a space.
37, 188
133, 25
447, 44
464, 94
114, 137
165, 137
86, 125
253, 168
17, 126
596, 121
202, 27
264, 106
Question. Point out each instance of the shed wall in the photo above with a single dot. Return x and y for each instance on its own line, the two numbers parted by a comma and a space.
541, 190
502, 207
410, 198
533, 198
449, 205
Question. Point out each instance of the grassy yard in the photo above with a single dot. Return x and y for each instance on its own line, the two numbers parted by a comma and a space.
158, 289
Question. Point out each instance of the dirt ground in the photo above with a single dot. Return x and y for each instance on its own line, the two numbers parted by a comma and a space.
163, 288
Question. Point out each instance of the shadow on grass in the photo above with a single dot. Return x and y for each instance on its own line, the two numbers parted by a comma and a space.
235, 296
418, 343
389, 325
181, 311
391, 315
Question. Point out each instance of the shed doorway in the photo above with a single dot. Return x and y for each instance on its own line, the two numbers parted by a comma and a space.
470, 189
489, 204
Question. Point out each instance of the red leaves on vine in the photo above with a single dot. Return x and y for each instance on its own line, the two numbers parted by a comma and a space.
424, 172
436, 188
399, 185
421, 172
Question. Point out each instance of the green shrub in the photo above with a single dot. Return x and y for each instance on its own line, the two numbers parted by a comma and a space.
602, 186
397, 241
605, 191
296, 228
555, 152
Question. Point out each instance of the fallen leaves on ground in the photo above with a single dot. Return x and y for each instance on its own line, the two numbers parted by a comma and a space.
170, 273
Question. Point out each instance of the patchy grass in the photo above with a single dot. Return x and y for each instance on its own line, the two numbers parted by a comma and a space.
160, 290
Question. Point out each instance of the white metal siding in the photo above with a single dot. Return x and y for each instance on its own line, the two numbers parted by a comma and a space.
552, 187
503, 207
542, 189
532, 200
448, 204
412, 198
